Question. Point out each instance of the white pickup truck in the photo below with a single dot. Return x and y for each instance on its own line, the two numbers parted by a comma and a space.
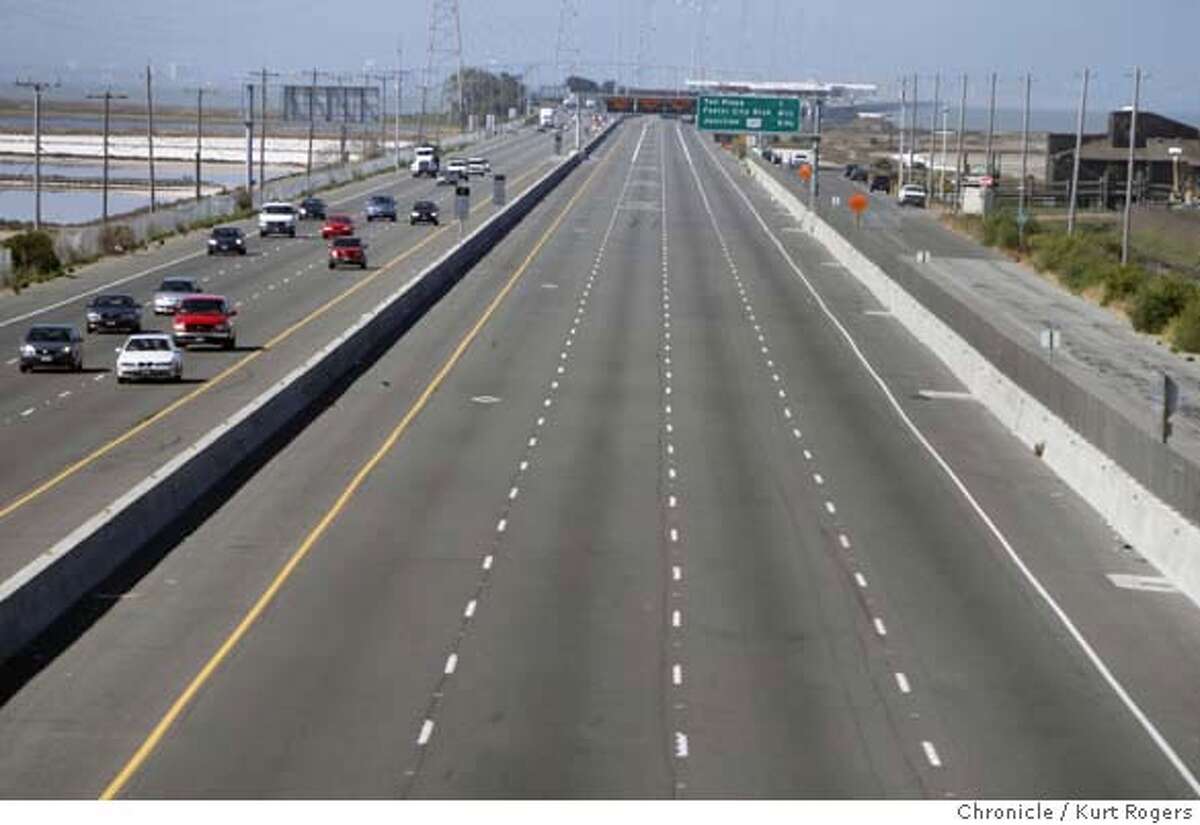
425, 162
277, 219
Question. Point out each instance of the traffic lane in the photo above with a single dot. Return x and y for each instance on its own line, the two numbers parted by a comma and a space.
90, 705
559, 683
1144, 631
784, 676
1023, 710
443, 482
82, 482
40, 298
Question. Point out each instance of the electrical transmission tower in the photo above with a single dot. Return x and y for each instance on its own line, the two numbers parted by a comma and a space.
444, 54
566, 50
645, 43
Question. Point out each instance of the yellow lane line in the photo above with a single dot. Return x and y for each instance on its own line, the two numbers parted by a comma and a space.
198, 681
237, 366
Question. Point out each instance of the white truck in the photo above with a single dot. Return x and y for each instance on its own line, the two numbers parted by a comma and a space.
425, 162
277, 219
546, 118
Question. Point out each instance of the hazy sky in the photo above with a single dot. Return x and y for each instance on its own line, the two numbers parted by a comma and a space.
864, 40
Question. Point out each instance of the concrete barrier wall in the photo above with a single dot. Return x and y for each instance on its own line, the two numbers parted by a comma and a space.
45, 589
1158, 531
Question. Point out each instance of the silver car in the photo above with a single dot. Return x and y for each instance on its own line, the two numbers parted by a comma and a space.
170, 292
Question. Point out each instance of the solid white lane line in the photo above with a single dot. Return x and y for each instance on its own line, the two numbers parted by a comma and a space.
931, 754
451, 664
469, 611
880, 627
902, 683
426, 732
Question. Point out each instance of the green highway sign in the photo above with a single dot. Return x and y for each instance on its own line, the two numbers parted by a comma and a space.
728, 113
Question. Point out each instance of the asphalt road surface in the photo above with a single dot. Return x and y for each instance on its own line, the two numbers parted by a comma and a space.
656, 503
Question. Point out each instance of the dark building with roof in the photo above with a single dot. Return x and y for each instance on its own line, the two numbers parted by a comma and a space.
1166, 158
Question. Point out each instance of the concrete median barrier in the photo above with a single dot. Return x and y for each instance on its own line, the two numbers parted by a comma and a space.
42, 592
1145, 492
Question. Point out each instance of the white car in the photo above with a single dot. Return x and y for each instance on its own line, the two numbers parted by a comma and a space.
912, 195
478, 166
277, 219
456, 166
149, 355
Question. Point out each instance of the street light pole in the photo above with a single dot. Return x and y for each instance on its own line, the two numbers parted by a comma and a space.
1137, 92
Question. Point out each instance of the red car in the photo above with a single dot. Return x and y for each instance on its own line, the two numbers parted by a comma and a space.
347, 251
204, 319
337, 226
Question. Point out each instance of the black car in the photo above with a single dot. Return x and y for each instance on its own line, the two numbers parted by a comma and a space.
227, 239
881, 183
52, 345
860, 174
312, 209
423, 212
115, 312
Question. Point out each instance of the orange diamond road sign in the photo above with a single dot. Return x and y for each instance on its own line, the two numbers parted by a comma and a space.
858, 203
805, 172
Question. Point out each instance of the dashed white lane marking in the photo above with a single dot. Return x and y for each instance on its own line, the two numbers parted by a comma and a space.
451, 664
931, 754
426, 732
795, 432
99, 377
674, 535
902, 683
487, 562
945, 395
877, 312
671, 472
880, 627
676, 618
672, 502
677, 675
844, 540
533, 441
681, 745
524, 465
831, 508
513, 493
28, 412
818, 478
787, 413
64, 393
469, 611
502, 525
807, 455
11, 361
860, 580
676, 573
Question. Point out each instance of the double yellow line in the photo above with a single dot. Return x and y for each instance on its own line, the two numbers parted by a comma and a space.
223, 375
263, 602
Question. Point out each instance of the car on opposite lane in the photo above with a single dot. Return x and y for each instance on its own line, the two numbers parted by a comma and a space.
381, 207
170, 292
120, 313
348, 251
226, 239
51, 345
337, 226
912, 194
205, 319
423, 212
150, 355
311, 209
881, 183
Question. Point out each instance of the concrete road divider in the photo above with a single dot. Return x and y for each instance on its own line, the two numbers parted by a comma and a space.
1156, 523
35, 597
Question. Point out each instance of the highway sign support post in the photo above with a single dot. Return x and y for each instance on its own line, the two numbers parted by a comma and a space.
462, 208
1170, 405
748, 114
498, 190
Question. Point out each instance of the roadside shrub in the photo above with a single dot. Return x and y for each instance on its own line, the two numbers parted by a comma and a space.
1122, 281
1159, 299
33, 254
1185, 333
243, 199
117, 238
1000, 229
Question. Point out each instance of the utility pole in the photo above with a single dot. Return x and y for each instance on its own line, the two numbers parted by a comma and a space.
903, 125
991, 127
38, 88
942, 169
1137, 93
933, 116
262, 134
249, 123
312, 94
199, 135
399, 98
913, 143
959, 166
150, 135
1071, 207
1022, 216
107, 97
